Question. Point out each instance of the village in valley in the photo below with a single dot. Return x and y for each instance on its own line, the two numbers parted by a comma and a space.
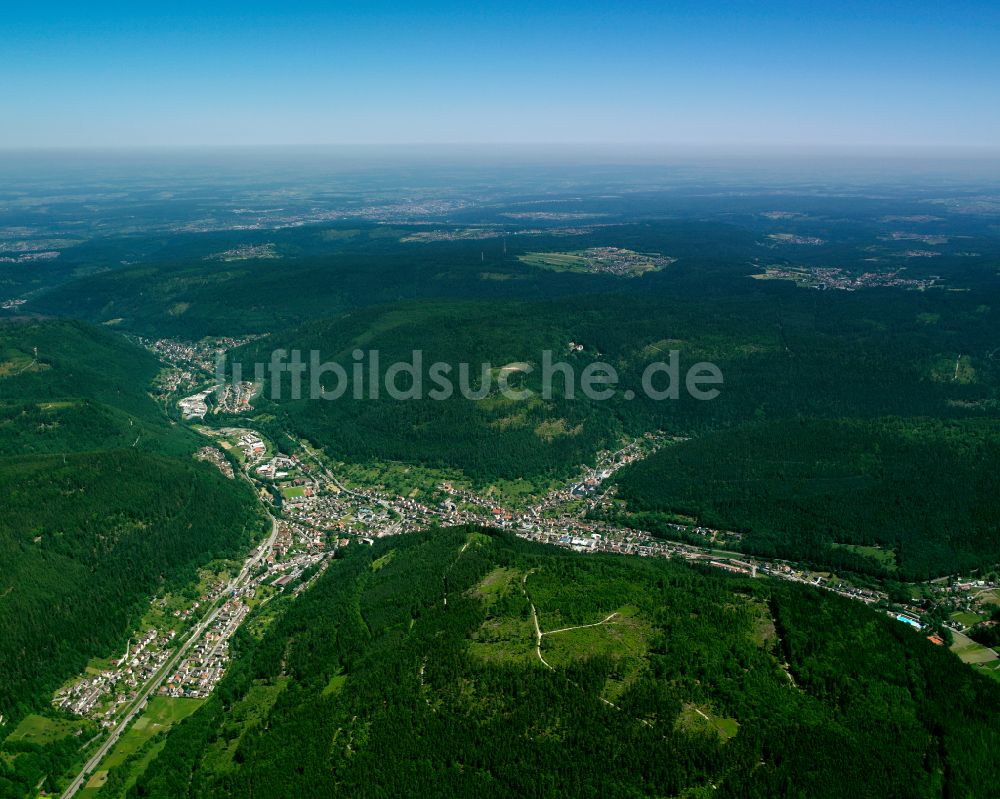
316, 506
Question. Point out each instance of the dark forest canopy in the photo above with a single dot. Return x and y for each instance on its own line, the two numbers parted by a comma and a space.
372, 685
926, 490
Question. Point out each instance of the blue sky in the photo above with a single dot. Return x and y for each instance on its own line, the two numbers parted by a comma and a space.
704, 73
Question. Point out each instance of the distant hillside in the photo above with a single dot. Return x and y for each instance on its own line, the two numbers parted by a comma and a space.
926, 491
69, 386
328, 271
415, 668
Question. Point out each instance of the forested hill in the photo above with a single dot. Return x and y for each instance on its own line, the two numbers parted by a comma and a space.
85, 540
103, 505
70, 386
414, 668
783, 354
924, 491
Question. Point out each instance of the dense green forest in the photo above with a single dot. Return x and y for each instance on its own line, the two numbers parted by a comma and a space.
466, 662
103, 505
164, 285
69, 386
926, 490
410, 669
85, 539
797, 354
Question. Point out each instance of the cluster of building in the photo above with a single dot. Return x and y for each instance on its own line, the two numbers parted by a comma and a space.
335, 510
277, 468
923, 238
551, 216
292, 538
196, 357
218, 459
595, 536
484, 233
235, 397
826, 277
199, 672
101, 696
195, 406
245, 252
622, 262
229, 397
250, 444
407, 210
793, 238
293, 550
28, 257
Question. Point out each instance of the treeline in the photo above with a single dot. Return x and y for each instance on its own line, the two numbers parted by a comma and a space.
372, 689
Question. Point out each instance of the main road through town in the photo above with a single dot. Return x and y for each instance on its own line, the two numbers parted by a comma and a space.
240, 580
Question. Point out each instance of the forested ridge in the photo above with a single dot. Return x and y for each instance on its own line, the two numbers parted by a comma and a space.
69, 386
103, 506
85, 540
923, 489
798, 356
371, 684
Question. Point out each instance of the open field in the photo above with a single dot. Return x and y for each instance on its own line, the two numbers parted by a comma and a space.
598, 260
971, 652
967, 618
701, 718
139, 745
161, 714
43, 730
885, 557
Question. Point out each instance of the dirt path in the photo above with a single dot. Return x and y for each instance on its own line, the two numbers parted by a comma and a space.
582, 626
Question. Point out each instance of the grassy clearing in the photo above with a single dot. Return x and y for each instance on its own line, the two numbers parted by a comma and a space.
43, 730
969, 651
551, 429
624, 639
384, 560
96, 782
694, 717
98, 665
557, 261
966, 618
249, 712
141, 743
497, 584
506, 641
161, 714
885, 557
764, 630
336, 684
